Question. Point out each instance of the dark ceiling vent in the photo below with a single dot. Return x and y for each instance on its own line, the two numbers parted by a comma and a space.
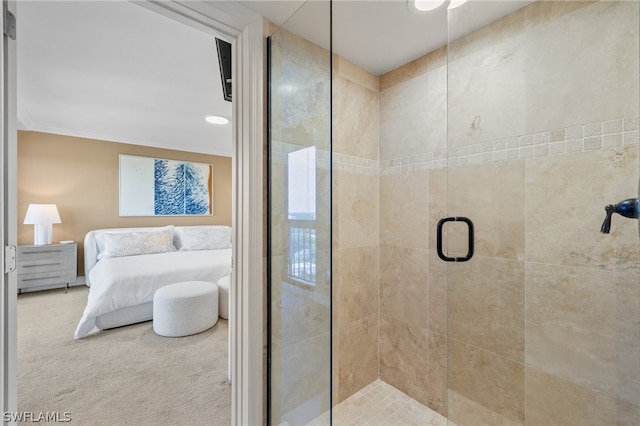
224, 59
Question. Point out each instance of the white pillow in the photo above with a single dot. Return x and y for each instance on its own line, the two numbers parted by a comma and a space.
100, 240
119, 244
204, 238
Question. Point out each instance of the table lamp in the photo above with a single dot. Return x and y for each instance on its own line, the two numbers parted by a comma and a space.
42, 217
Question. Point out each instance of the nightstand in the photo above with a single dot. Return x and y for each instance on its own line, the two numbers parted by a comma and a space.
47, 266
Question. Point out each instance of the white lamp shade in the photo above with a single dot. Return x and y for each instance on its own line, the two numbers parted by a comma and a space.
42, 214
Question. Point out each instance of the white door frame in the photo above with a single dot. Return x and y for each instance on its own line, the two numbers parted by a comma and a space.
8, 213
246, 325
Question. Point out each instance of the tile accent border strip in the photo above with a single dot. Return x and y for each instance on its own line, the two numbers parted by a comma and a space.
569, 140
588, 137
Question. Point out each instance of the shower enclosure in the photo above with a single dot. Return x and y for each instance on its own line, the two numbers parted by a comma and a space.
527, 124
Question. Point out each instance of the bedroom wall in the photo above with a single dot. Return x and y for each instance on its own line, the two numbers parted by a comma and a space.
81, 177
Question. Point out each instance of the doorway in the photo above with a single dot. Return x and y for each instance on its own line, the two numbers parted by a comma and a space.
246, 29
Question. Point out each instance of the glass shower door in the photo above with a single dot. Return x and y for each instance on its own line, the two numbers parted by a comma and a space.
299, 216
544, 320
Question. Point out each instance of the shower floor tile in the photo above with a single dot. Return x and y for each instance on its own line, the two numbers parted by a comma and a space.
381, 404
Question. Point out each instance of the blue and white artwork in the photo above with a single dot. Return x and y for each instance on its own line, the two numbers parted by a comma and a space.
158, 187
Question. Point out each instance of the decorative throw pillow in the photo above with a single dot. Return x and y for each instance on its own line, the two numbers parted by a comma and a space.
204, 238
101, 243
119, 244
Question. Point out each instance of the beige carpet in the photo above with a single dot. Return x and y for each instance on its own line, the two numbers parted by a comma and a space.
123, 376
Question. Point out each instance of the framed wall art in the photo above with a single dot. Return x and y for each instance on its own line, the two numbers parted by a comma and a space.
159, 187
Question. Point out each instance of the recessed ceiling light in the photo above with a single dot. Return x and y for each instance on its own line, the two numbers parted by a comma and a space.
426, 5
217, 119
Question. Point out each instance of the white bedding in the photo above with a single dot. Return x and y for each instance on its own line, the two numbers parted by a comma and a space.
132, 280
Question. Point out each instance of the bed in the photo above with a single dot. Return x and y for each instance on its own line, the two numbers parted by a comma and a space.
125, 266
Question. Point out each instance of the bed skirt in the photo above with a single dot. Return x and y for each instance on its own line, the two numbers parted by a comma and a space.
125, 316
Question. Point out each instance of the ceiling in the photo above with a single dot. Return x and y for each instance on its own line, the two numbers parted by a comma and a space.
115, 71
381, 35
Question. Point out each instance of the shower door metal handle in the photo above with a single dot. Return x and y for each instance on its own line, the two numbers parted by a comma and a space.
441, 223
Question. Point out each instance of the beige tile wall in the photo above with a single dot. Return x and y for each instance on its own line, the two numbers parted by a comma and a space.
543, 133
300, 321
524, 129
355, 229
413, 120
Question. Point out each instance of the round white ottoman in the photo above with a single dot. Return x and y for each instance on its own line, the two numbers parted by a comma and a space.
223, 297
185, 308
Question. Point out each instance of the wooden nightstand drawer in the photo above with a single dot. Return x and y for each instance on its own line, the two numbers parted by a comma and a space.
47, 265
